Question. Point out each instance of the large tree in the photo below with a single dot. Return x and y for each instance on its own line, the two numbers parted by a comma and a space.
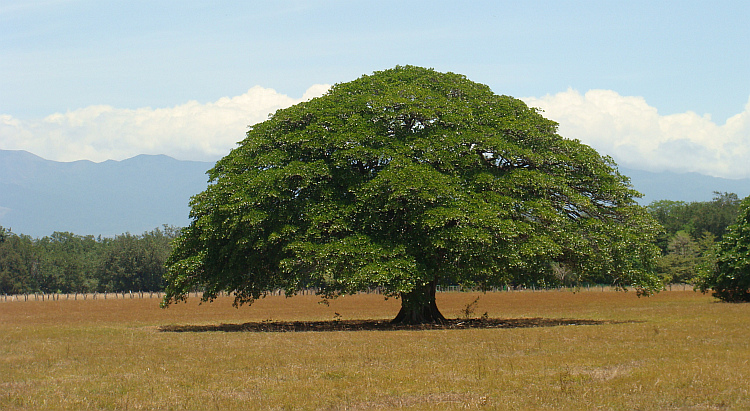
728, 275
406, 179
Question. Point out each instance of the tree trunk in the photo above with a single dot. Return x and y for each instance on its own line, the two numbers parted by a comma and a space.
419, 307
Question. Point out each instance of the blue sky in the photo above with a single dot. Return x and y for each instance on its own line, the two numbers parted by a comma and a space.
658, 85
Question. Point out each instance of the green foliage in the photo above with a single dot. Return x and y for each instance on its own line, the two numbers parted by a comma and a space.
690, 231
66, 263
16, 268
133, 262
402, 180
684, 256
729, 275
695, 218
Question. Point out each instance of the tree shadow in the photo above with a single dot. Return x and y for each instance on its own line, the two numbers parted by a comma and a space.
383, 325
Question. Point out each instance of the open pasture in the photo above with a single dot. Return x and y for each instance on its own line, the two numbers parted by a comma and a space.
675, 350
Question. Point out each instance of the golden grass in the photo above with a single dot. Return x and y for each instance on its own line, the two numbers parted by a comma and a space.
676, 350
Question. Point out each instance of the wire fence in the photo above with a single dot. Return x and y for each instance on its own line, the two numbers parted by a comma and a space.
80, 296
122, 295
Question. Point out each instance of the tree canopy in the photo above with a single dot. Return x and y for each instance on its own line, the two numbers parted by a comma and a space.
729, 274
406, 179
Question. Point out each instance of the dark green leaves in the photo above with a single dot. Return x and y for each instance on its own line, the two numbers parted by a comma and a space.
729, 276
405, 178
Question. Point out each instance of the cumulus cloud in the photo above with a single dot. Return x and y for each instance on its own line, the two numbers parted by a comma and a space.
637, 136
191, 131
624, 127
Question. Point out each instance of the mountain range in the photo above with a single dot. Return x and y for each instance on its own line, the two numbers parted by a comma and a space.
39, 197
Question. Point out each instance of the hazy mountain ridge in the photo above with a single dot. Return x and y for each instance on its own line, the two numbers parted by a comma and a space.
38, 196
687, 187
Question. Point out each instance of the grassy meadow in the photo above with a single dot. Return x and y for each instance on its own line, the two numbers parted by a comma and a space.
676, 350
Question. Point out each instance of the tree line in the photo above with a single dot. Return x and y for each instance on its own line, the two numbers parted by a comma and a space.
691, 231
68, 263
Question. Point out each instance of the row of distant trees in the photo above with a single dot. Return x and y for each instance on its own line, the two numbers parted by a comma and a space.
691, 231
68, 263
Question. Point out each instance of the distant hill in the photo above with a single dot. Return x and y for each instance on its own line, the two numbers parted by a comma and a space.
683, 186
39, 197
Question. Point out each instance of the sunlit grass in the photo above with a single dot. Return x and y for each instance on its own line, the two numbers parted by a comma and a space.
680, 350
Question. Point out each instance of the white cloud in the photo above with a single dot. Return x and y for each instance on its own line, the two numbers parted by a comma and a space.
637, 136
626, 128
189, 131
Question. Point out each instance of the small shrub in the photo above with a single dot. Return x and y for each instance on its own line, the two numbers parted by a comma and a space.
468, 311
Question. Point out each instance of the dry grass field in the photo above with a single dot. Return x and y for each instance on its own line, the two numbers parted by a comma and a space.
677, 350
